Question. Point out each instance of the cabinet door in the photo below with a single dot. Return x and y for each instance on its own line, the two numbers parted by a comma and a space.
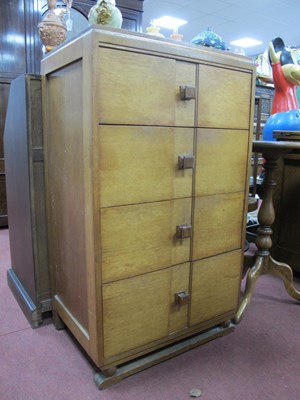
218, 224
140, 164
221, 161
224, 98
139, 89
141, 238
141, 310
215, 286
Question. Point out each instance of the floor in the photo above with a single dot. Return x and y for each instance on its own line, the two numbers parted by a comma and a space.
259, 360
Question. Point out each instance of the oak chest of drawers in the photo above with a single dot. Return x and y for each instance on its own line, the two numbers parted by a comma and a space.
147, 152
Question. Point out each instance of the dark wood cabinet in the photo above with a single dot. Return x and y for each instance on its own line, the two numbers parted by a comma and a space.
21, 52
4, 91
286, 238
28, 276
21, 186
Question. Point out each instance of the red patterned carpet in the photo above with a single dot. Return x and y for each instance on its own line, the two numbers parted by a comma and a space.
260, 360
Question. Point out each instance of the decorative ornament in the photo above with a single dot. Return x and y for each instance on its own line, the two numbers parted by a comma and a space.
285, 112
176, 35
210, 39
105, 12
154, 30
52, 29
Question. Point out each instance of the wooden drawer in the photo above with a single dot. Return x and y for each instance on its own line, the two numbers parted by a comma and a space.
224, 98
141, 310
218, 223
221, 156
140, 164
115, 196
215, 286
140, 89
142, 238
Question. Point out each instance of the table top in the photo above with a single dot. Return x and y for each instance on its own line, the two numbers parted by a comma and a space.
280, 147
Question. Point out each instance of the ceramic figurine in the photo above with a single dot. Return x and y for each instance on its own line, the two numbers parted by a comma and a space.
154, 30
286, 76
106, 13
52, 29
176, 35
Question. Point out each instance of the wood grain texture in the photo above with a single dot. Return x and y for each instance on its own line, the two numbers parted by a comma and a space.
215, 286
286, 241
185, 109
180, 281
151, 83
218, 224
142, 300
140, 164
12, 38
25, 188
221, 156
4, 94
147, 81
65, 189
224, 98
142, 238
134, 123
147, 301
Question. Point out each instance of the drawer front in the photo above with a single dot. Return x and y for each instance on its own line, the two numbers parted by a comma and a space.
224, 98
141, 310
139, 89
215, 286
221, 165
140, 164
218, 224
142, 238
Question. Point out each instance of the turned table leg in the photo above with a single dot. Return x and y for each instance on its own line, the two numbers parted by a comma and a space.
264, 262
285, 272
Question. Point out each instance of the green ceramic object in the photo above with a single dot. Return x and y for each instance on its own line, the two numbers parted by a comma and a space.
106, 13
210, 39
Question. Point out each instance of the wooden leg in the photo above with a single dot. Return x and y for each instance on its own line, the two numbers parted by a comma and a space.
57, 321
109, 372
253, 274
285, 272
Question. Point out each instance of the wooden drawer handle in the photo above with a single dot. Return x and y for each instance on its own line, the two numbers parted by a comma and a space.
184, 231
187, 92
186, 161
182, 298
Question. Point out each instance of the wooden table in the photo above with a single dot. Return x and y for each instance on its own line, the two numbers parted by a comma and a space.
264, 262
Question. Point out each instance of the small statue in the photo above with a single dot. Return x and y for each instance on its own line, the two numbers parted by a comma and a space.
286, 76
154, 30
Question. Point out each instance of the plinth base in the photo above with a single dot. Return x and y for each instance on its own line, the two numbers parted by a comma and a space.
164, 354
